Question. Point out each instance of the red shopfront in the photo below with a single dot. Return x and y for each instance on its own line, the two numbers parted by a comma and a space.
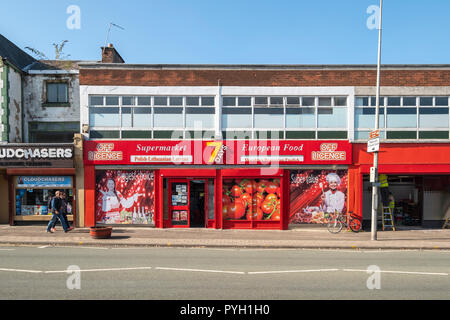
209, 184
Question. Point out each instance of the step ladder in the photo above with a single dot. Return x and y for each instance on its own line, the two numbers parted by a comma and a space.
387, 219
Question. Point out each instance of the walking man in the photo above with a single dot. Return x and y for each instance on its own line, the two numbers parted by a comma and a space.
56, 205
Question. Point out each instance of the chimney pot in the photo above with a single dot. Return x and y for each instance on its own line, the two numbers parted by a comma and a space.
110, 55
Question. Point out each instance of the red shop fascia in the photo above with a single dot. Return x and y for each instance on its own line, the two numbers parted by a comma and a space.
163, 176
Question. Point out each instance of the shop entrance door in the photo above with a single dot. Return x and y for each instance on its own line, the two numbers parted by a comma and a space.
188, 203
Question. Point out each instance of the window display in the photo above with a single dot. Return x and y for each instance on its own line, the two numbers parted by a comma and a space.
251, 199
34, 192
125, 197
315, 194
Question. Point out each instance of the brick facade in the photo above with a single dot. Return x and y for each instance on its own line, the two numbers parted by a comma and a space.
265, 78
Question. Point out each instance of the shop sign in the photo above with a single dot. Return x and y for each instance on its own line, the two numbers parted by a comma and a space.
36, 156
44, 182
230, 152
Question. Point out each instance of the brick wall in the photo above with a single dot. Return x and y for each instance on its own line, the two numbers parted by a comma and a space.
272, 78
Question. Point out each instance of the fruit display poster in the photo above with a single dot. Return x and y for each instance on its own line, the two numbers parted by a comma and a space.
314, 194
125, 197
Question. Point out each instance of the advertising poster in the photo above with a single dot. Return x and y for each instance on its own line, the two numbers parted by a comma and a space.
314, 194
125, 197
251, 199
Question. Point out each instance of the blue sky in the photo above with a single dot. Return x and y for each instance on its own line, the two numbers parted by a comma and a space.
234, 32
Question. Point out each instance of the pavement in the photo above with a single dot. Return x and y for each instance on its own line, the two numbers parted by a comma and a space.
303, 237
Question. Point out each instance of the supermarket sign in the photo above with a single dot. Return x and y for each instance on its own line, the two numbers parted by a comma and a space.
230, 152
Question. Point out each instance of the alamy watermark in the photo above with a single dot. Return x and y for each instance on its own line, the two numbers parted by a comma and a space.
373, 21
374, 280
73, 282
73, 22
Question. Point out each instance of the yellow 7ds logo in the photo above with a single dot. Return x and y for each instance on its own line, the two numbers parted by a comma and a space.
217, 148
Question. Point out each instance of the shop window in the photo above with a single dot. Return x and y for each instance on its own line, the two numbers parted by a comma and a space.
34, 193
409, 101
244, 101
160, 101
128, 101
200, 117
332, 117
340, 101
362, 101
237, 135
273, 135
401, 135
104, 117
293, 101
261, 101
300, 135
401, 118
173, 135
373, 101
332, 135
308, 101
211, 200
168, 117
276, 101
433, 135
142, 117
394, 101
426, 101
205, 135
324, 102
365, 117
97, 101
269, 117
103, 134
208, 101
441, 101
315, 194
53, 132
57, 92
192, 101
433, 117
136, 134
112, 101
144, 101
300, 118
237, 118
124, 197
176, 101
251, 199
229, 101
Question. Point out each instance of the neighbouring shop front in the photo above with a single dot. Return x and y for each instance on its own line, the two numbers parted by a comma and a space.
419, 179
233, 184
33, 173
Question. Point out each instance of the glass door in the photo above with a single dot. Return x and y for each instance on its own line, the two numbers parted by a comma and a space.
179, 203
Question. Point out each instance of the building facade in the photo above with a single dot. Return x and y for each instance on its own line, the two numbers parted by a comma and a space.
242, 146
40, 115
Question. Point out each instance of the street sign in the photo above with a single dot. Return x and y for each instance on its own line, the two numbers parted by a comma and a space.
373, 174
373, 145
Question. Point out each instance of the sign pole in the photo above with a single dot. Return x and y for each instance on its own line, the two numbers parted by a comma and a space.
377, 116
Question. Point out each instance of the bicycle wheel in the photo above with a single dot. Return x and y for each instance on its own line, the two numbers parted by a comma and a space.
355, 225
334, 226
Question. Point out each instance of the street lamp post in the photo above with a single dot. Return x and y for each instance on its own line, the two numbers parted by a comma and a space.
377, 124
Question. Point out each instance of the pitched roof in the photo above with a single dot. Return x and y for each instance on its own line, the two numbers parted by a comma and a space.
14, 54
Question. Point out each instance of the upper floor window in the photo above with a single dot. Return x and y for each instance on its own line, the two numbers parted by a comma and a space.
57, 92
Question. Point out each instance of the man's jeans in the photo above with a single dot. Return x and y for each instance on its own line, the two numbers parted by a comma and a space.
52, 222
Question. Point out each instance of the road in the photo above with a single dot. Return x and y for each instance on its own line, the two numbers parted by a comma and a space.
221, 274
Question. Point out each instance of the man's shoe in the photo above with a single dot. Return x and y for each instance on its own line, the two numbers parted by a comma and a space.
53, 230
50, 231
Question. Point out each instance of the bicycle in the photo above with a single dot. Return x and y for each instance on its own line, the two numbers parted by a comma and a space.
337, 222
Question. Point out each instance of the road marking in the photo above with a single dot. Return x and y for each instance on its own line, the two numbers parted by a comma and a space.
401, 272
198, 270
102, 270
43, 247
7, 249
293, 271
20, 270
